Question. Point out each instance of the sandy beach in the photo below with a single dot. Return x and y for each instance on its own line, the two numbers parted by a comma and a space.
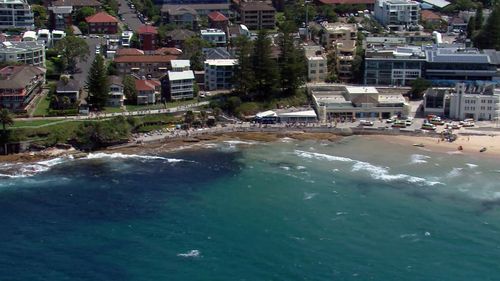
471, 144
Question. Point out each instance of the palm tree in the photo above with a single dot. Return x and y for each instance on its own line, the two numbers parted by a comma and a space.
6, 119
189, 118
203, 117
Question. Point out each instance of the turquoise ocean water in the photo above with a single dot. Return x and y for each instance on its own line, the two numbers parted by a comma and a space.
358, 209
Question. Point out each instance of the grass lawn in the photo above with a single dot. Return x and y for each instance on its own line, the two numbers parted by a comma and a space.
112, 109
181, 102
42, 107
144, 107
32, 123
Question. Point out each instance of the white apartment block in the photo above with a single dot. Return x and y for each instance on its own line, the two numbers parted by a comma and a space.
180, 65
219, 74
317, 69
397, 14
16, 14
215, 36
180, 85
29, 52
481, 103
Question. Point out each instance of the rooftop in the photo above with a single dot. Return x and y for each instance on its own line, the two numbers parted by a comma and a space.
437, 3
129, 52
338, 26
217, 16
180, 34
456, 55
216, 53
211, 31
168, 51
16, 77
180, 75
180, 63
20, 46
101, 17
146, 85
353, 90
193, 7
147, 29
71, 85
116, 80
223, 62
429, 15
78, 3
145, 59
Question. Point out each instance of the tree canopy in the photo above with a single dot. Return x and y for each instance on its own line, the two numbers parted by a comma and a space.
97, 84
72, 49
489, 35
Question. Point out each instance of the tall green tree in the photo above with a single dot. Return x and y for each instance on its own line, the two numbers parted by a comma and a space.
40, 15
243, 73
6, 119
489, 35
84, 12
193, 50
264, 66
479, 19
471, 27
129, 89
418, 87
292, 62
72, 49
97, 84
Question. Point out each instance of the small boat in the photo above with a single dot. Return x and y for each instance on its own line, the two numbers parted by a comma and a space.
418, 144
482, 149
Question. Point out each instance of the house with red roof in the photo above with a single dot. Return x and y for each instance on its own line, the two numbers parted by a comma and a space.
102, 23
218, 20
430, 16
148, 91
148, 37
368, 3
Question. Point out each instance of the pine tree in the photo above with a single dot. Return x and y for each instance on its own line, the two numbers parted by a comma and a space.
97, 84
489, 36
291, 61
471, 27
264, 66
243, 74
479, 17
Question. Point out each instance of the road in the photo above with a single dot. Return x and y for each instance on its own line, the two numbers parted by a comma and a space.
84, 66
129, 16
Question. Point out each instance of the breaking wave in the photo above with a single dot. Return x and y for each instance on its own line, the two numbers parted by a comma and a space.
190, 254
117, 155
419, 158
376, 172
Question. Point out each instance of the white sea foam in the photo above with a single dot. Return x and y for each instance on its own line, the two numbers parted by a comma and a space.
285, 168
407, 235
470, 165
190, 254
117, 155
455, 172
236, 142
301, 168
376, 172
309, 196
22, 170
419, 159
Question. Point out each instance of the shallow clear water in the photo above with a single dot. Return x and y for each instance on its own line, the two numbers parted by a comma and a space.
355, 210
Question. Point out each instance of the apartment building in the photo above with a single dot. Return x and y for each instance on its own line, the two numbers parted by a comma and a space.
393, 65
19, 85
27, 52
214, 36
102, 23
16, 14
116, 96
187, 15
148, 91
257, 15
333, 32
476, 102
148, 37
143, 65
345, 51
219, 74
317, 66
60, 17
397, 15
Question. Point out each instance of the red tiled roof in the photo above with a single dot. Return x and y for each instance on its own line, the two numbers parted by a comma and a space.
146, 85
429, 15
129, 52
168, 51
145, 58
101, 18
217, 16
146, 28
349, 2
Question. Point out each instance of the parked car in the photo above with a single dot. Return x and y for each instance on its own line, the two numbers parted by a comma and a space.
365, 123
428, 126
399, 124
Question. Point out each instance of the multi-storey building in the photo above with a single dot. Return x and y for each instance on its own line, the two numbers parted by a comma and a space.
179, 85
60, 17
393, 65
333, 32
143, 65
187, 15
16, 14
148, 37
397, 14
446, 65
102, 23
116, 97
31, 53
478, 103
317, 66
214, 36
19, 85
345, 51
219, 74
257, 15
148, 91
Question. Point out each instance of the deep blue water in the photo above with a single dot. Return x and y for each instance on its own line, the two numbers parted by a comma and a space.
284, 211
